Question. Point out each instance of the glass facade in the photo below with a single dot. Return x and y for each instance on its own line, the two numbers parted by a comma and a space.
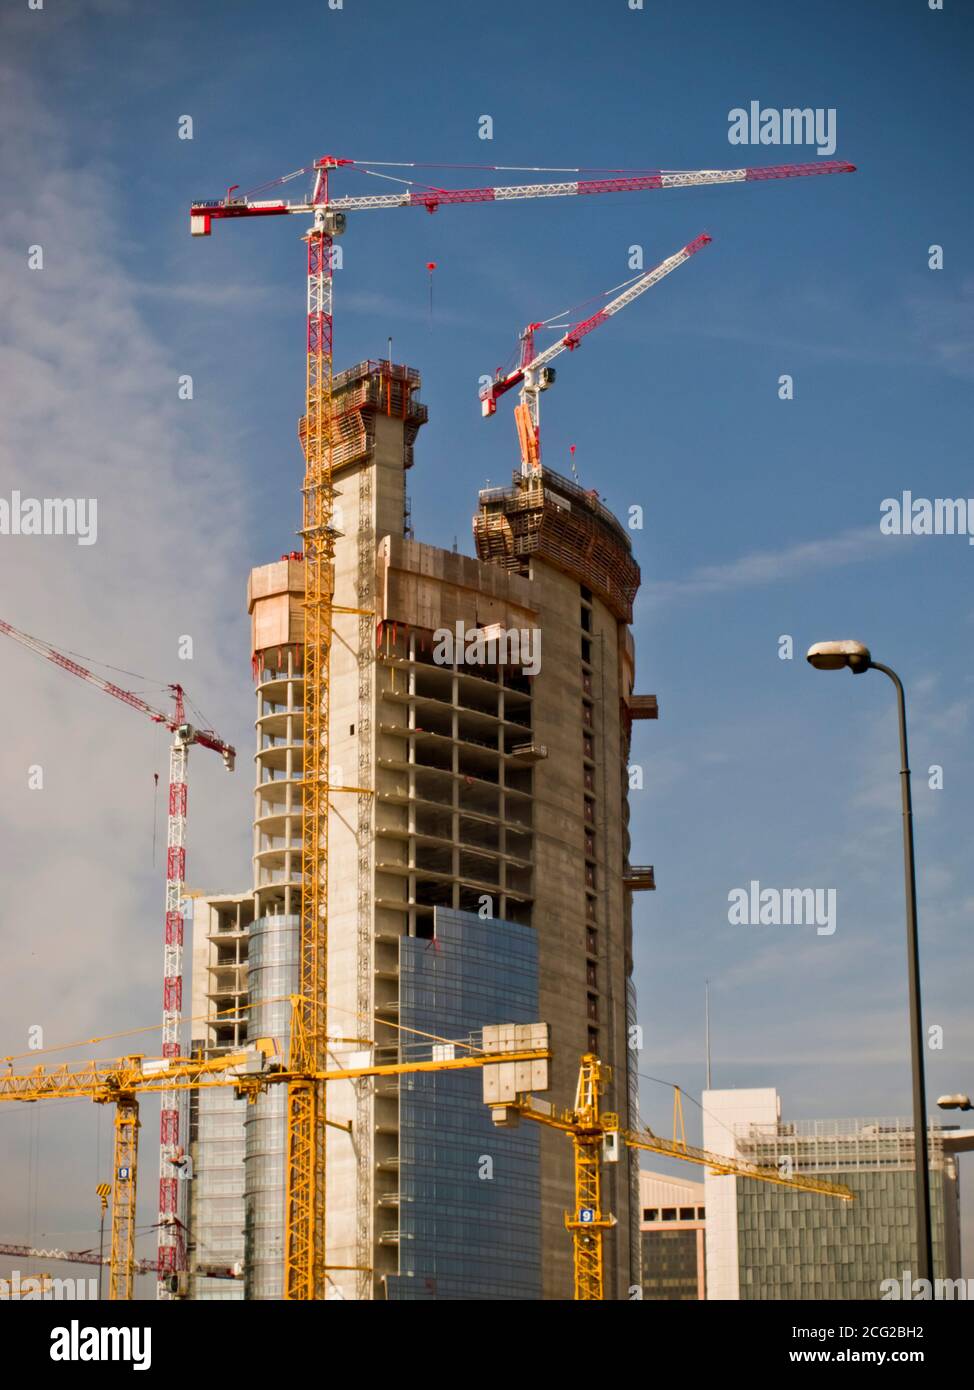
801, 1245
273, 976
670, 1265
217, 1234
631, 1156
469, 1193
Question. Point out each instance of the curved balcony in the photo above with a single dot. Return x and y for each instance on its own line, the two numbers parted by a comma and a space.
276, 857
279, 875
277, 822
276, 725
274, 795
274, 685
275, 757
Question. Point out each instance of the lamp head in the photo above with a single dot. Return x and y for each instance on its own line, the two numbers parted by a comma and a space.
954, 1102
833, 656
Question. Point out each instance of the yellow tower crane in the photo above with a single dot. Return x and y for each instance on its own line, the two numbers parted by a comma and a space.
120, 1082
596, 1136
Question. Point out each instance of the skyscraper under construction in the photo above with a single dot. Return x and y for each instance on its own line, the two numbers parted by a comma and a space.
478, 873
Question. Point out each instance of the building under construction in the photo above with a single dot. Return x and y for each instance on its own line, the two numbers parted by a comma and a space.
479, 871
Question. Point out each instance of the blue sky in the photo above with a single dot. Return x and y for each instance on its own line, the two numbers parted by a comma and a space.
761, 516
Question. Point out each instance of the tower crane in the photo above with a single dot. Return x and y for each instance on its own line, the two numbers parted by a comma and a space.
171, 1255
596, 1137
534, 375
121, 1082
91, 1257
305, 1194
72, 1257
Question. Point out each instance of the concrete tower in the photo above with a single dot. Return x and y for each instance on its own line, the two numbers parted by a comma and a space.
577, 561
482, 814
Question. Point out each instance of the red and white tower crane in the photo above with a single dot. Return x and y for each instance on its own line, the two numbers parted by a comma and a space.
92, 1257
171, 1245
415, 194
534, 375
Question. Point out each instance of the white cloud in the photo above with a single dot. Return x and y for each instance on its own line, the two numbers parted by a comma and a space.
943, 325
90, 409
762, 567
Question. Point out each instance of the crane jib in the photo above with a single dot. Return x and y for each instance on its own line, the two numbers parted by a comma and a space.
205, 210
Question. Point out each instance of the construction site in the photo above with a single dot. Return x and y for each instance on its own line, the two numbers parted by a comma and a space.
400, 1062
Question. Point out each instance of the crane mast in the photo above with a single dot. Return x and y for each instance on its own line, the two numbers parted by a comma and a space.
171, 1253
587, 1221
304, 1238
124, 1190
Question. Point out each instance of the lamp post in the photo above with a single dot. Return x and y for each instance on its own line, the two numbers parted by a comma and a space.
835, 656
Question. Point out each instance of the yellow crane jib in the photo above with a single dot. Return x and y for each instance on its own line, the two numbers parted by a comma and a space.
120, 1081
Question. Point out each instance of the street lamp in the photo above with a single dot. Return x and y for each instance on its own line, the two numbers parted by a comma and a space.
957, 1102
834, 656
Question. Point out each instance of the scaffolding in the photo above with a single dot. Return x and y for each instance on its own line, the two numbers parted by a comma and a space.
547, 516
823, 1146
362, 392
